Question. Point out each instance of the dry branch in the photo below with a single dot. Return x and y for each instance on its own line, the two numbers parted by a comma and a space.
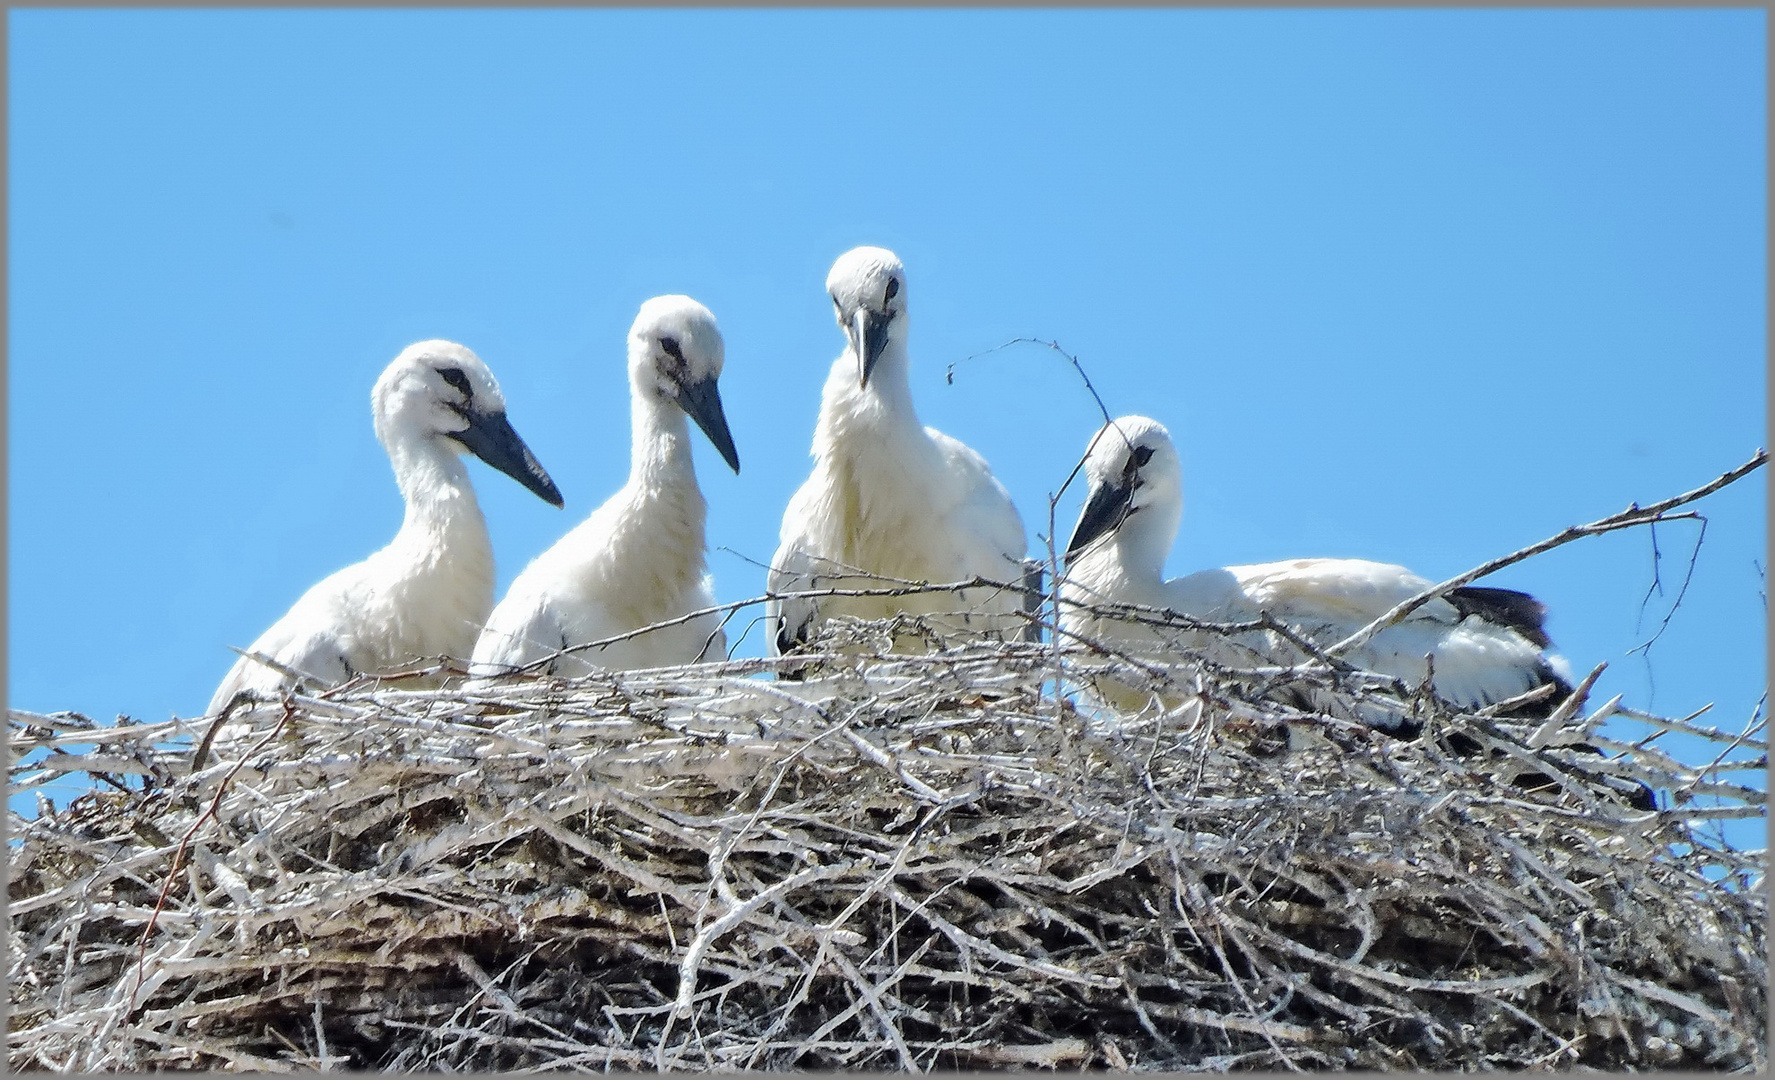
1630, 518
903, 862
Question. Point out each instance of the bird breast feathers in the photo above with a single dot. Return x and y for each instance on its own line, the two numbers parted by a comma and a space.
891, 521
637, 559
435, 608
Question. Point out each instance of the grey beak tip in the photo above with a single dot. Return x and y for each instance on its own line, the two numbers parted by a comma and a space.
702, 401
871, 340
729, 454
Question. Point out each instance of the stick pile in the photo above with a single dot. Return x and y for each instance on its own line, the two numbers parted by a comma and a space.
899, 862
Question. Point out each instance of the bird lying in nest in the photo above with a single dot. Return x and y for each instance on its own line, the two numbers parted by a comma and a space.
1472, 647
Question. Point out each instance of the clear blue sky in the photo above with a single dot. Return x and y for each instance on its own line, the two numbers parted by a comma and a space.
1417, 286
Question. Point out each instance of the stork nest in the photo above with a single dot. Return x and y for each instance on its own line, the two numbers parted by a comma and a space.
900, 862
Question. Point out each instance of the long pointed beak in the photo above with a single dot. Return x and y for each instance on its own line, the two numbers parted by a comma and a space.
703, 402
1104, 510
489, 436
869, 338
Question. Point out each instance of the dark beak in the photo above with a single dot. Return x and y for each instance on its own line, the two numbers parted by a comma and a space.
1106, 509
869, 337
491, 438
703, 402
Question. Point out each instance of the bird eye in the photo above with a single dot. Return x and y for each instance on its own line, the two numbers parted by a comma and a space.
1142, 455
456, 378
893, 288
671, 347
837, 305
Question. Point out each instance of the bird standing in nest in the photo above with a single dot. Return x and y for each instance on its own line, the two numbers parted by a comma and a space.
638, 559
889, 500
427, 593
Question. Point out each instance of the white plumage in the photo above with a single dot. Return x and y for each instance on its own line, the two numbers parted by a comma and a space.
1488, 644
638, 559
889, 498
426, 593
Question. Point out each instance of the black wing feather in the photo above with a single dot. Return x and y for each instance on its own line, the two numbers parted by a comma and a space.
1506, 607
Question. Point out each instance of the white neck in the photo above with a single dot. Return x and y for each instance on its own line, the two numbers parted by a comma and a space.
884, 406
435, 484
659, 450
666, 508
648, 538
891, 380
443, 541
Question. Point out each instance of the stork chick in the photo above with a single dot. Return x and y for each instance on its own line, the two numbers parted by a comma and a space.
427, 593
638, 559
1488, 644
889, 500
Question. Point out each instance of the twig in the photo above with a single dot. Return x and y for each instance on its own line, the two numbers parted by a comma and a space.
949, 373
1631, 517
910, 588
185, 842
1681, 592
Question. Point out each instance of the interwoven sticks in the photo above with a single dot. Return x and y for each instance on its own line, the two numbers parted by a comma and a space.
899, 862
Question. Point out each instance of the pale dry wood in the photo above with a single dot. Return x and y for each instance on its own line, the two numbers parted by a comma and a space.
907, 862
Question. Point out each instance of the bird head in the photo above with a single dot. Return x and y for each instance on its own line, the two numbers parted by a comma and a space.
676, 354
1131, 468
442, 390
868, 289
